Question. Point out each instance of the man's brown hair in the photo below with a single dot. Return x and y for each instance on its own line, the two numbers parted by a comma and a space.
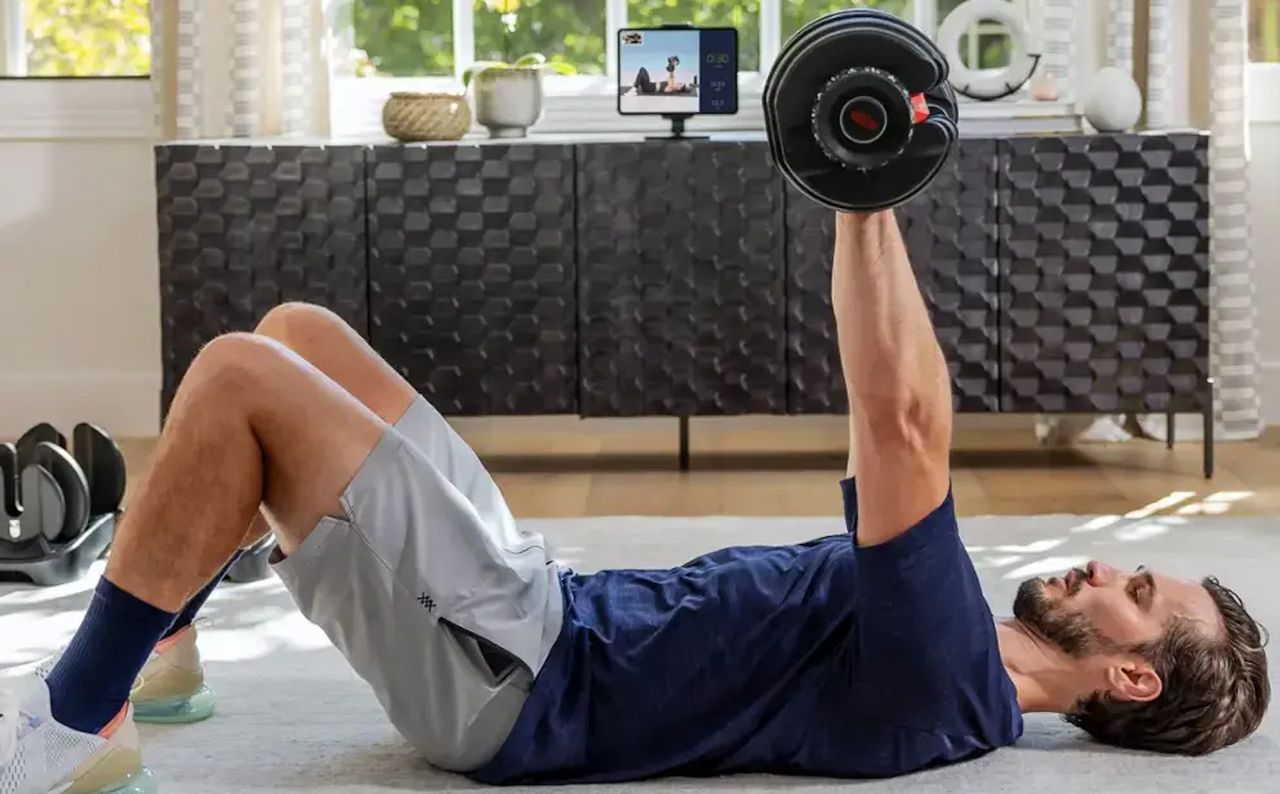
1215, 689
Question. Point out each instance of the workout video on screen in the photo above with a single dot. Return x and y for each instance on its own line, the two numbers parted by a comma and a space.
659, 71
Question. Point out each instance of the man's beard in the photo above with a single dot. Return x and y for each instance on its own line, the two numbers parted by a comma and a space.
1070, 631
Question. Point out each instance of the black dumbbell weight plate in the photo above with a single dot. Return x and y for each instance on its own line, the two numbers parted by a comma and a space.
103, 466
8, 484
44, 508
43, 432
53, 469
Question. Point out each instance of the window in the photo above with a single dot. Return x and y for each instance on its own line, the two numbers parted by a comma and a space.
798, 13
1264, 31
425, 45
404, 39
75, 38
415, 38
571, 31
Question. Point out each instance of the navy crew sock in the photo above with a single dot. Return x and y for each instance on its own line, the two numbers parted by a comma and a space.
92, 680
188, 614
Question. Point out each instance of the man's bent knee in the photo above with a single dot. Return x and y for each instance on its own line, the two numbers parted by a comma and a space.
235, 362
295, 321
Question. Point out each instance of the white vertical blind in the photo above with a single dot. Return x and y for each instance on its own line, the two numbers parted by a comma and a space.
615, 18
464, 36
770, 32
13, 39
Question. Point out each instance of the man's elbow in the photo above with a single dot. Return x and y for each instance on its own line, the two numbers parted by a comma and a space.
907, 419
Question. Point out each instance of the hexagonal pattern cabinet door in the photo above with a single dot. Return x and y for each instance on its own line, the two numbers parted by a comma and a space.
471, 274
1105, 274
680, 247
950, 235
244, 228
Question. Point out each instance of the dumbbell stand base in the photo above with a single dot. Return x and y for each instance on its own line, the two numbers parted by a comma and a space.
254, 564
48, 564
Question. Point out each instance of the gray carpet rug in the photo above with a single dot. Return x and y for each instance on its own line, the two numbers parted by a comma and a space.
292, 717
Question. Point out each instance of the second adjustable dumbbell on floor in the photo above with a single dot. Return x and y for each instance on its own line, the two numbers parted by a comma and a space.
50, 493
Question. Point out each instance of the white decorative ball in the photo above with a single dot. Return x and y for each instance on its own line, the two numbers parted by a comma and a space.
1113, 102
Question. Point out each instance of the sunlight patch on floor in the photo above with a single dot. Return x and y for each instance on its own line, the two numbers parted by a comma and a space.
1215, 504
1048, 565
1163, 503
1095, 524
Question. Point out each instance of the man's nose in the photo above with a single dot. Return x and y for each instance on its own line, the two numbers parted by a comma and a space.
1100, 573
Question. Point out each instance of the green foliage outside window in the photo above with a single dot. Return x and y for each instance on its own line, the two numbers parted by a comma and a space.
798, 13
1264, 31
415, 37
87, 38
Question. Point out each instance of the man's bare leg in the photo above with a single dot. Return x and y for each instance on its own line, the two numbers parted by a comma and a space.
332, 346
252, 424
325, 340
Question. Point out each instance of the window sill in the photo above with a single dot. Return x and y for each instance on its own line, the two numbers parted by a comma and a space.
588, 105
75, 109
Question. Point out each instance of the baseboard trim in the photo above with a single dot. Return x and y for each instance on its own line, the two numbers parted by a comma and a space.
125, 404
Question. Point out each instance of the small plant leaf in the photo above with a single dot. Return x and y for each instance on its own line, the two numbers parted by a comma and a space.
532, 59
480, 67
561, 67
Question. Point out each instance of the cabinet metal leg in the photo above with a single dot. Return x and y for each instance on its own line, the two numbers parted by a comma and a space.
1208, 431
684, 443
1169, 420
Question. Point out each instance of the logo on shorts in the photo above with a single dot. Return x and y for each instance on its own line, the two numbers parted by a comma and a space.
427, 602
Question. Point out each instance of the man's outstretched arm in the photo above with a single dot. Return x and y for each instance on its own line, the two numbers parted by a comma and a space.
896, 378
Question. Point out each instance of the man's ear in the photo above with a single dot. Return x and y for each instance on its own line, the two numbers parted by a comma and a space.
1134, 679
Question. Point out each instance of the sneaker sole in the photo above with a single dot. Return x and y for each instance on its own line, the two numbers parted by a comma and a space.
140, 782
175, 711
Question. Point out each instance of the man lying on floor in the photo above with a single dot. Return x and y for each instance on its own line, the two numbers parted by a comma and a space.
863, 654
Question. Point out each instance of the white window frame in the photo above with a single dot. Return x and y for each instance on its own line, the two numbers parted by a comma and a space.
1263, 93
587, 103
13, 39
53, 109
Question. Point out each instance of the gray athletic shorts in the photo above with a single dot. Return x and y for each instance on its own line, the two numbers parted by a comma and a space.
432, 593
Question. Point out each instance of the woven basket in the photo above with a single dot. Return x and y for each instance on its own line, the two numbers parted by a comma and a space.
411, 116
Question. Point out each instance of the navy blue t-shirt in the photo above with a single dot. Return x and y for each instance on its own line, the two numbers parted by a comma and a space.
817, 659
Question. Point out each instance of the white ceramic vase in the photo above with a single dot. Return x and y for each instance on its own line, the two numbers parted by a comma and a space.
1113, 102
508, 101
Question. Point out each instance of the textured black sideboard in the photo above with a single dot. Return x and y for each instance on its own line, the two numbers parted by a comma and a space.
472, 275
245, 228
622, 278
680, 252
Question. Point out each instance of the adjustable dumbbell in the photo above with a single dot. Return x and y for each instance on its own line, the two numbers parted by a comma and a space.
858, 111
51, 494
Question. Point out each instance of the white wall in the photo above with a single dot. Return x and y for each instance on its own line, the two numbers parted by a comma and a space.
78, 297
1265, 233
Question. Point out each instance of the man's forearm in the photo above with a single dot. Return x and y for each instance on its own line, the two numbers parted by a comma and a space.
888, 349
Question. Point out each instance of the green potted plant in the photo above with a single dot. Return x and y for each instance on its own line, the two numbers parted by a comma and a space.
508, 93
508, 96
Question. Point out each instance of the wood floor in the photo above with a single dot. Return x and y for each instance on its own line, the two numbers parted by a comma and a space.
563, 467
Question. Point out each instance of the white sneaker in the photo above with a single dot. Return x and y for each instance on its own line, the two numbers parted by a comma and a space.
39, 755
170, 689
